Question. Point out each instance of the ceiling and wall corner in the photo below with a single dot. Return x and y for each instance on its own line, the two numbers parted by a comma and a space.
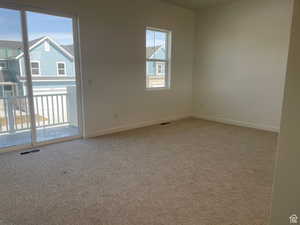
196, 4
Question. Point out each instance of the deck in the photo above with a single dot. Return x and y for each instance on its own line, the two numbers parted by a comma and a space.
43, 134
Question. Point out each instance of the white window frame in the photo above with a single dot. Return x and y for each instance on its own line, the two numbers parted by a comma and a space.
167, 61
5, 67
39, 63
57, 69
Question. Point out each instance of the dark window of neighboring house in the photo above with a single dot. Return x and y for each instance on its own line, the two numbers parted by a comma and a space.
2, 53
160, 69
3, 65
10, 52
35, 68
7, 88
61, 68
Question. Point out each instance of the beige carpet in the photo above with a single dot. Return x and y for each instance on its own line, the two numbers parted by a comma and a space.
192, 172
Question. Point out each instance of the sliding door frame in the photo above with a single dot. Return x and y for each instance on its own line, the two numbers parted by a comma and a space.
78, 74
28, 75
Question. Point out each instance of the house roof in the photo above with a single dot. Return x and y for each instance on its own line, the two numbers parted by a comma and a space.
18, 45
11, 44
35, 41
151, 50
69, 48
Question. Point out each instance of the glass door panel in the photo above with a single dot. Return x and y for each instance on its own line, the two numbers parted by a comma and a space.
15, 122
53, 74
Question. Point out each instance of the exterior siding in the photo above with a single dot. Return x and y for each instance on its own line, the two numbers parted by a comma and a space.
53, 84
151, 67
8, 53
48, 60
159, 54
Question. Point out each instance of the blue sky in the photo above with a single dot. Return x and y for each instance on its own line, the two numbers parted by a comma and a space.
58, 28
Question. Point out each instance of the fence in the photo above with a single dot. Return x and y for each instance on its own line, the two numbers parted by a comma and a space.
49, 110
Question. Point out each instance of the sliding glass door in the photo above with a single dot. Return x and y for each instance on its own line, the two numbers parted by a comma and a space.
15, 116
38, 79
52, 62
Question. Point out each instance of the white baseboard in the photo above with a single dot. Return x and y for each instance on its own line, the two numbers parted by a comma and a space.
136, 125
239, 123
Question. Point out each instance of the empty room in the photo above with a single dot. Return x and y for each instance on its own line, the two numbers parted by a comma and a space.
149, 112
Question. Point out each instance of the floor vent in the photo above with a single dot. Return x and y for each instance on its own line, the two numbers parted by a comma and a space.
29, 152
166, 123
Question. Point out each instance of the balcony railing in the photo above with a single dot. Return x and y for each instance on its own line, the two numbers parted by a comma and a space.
155, 81
50, 110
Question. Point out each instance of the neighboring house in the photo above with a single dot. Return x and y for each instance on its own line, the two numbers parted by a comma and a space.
9, 67
52, 67
156, 68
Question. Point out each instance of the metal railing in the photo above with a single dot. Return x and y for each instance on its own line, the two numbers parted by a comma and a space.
49, 110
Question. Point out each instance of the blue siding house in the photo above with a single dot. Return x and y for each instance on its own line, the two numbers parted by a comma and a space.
155, 68
52, 66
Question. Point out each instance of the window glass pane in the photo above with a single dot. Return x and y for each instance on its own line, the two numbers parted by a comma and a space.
156, 72
61, 65
157, 58
150, 68
3, 65
156, 45
55, 97
35, 71
150, 43
160, 45
15, 127
2, 53
34, 65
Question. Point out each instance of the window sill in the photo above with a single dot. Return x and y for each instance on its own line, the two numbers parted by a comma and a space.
158, 89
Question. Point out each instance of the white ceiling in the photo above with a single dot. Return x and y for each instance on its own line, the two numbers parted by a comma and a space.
195, 4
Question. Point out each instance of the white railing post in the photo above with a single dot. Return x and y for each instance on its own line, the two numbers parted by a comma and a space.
60, 110
10, 114
72, 106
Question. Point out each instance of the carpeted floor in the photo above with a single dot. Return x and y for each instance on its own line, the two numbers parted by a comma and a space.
192, 172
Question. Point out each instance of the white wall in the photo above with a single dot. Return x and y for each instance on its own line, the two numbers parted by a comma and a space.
114, 59
240, 67
286, 194
113, 55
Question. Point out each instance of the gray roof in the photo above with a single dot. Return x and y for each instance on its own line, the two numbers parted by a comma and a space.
151, 50
69, 48
18, 45
11, 44
34, 41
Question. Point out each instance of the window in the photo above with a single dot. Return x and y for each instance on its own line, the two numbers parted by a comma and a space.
35, 68
160, 69
61, 68
3, 65
158, 61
